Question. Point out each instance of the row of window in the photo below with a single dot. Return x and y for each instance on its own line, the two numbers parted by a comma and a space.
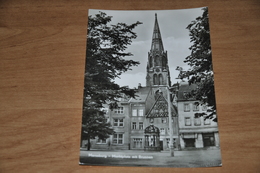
197, 121
119, 110
137, 142
196, 107
163, 120
163, 131
117, 139
140, 127
135, 112
118, 122
140, 112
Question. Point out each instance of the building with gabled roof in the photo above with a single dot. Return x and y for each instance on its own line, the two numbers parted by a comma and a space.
195, 131
158, 116
138, 107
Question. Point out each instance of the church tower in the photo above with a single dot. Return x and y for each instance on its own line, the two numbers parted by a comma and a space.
157, 67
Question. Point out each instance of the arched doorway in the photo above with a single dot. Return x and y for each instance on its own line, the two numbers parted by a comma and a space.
152, 138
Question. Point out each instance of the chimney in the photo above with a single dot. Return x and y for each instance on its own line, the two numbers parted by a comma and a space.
139, 85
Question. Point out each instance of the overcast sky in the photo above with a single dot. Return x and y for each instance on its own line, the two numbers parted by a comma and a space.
175, 37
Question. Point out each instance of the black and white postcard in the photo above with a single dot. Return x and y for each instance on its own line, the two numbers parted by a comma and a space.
149, 96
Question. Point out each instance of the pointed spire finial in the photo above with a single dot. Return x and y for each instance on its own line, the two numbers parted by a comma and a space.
156, 39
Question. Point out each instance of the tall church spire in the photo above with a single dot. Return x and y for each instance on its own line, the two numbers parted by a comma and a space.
157, 39
157, 66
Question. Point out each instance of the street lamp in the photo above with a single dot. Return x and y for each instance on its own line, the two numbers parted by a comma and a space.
170, 121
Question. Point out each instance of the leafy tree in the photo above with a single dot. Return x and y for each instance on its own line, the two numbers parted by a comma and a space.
105, 61
200, 62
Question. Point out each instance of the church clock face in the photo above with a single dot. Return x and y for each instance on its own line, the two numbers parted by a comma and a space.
157, 70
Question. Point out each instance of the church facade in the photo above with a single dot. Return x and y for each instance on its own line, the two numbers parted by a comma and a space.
144, 122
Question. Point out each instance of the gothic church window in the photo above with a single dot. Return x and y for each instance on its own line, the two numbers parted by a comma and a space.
160, 79
151, 62
155, 79
158, 61
164, 62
